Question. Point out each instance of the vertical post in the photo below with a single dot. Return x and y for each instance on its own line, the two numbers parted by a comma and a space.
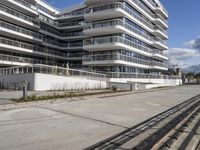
131, 87
25, 84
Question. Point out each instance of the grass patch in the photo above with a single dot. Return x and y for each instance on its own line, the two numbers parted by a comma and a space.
47, 97
65, 95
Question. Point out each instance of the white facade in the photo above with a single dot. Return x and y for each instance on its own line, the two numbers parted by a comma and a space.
126, 38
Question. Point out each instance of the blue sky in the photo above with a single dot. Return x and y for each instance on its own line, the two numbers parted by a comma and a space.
184, 22
184, 29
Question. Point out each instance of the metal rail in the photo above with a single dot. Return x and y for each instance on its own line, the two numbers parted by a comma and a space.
170, 139
162, 133
183, 110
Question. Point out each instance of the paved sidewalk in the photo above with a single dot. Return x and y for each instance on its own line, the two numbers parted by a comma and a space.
83, 121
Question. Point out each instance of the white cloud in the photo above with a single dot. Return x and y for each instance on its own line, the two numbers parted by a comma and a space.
193, 44
186, 58
183, 57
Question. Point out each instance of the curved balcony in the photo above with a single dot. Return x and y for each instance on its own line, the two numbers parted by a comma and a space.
111, 59
155, 7
64, 46
8, 29
158, 8
119, 26
21, 61
14, 45
73, 36
121, 10
116, 42
71, 25
11, 15
75, 15
22, 5
157, 54
157, 18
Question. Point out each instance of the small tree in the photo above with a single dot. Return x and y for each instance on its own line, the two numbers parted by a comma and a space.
197, 77
189, 76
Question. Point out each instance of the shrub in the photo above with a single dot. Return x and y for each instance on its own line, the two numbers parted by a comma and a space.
114, 88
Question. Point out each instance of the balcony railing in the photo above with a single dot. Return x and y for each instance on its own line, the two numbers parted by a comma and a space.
26, 4
118, 39
19, 59
44, 69
116, 22
75, 13
63, 45
31, 47
68, 24
131, 12
139, 75
20, 30
155, 16
157, 6
18, 15
72, 34
109, 57
74, 45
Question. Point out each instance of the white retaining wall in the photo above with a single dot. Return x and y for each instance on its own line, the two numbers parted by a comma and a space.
52, 82
45, 82
149, 83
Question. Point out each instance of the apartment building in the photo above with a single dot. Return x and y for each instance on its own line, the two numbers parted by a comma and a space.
33, 32
127, 38
120, 38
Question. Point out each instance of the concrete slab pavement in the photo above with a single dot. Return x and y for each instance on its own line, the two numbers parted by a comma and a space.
78, 124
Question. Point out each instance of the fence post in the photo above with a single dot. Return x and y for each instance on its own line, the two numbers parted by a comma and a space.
25, 85
131, 86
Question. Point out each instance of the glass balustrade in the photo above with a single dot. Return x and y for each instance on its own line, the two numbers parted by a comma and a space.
31, 47
108, 57
148, 11
139, 75
53, 70
75, 13
116, 39
20, 30
72, 34
20, 59
157, 6
18, 14
116, 22
24, 3
131, 12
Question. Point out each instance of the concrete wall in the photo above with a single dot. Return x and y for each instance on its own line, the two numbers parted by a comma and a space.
45, 82
148, 81
124, 83
52, 82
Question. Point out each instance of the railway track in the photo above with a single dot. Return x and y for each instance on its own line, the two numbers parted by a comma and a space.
174, 128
